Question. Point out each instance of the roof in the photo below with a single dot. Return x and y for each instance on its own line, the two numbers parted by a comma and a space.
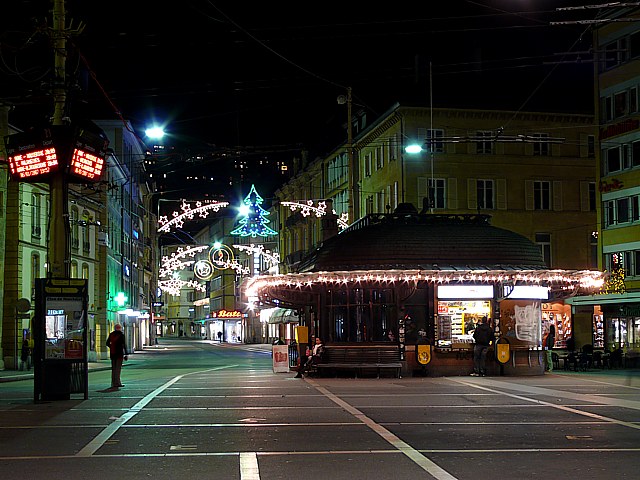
407, 239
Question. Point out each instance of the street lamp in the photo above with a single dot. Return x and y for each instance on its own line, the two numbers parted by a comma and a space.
429, 147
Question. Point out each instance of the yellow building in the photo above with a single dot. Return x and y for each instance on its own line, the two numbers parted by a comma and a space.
534, 173
617, 80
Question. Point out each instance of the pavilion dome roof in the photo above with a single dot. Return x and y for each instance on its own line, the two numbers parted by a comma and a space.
409, 240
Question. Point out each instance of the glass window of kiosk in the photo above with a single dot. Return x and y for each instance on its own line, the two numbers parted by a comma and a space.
64, 333
457, 319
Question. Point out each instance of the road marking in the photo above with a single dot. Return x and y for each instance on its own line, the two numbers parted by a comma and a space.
558, 393
249, 466
418, 458
100, 439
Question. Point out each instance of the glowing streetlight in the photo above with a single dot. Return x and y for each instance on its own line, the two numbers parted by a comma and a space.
155, 133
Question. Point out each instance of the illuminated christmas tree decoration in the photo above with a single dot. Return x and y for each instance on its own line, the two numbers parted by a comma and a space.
254, 223
615, 282
270, 258
308, 208
202, 209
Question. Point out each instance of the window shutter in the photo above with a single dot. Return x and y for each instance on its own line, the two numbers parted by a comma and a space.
557, 196
423, 189
452, 197
472, 194
584, 196
584, 145
528, 195
501, 194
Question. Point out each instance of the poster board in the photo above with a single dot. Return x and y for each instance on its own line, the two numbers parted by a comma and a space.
280, 358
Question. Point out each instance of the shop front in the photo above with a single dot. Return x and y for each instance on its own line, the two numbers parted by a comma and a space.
443, 274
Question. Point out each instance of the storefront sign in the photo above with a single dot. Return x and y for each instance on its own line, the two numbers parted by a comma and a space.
465, 291
228, 314
524, 292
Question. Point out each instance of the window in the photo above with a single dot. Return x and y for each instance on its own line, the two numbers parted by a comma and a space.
633, 100
634, 45
484, 145
541, 195
592, 196
591, 146
543, 240
36, 212
73, 220
540, 144
485, 194
614, 163
620, 104
432, 138
379, 154
635, 154
433, 190
621, 210
437, 188
367, 164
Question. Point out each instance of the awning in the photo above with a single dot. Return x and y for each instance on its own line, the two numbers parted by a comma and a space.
279, 315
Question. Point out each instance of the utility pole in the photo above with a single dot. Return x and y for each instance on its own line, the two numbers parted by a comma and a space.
353, 163
58, 250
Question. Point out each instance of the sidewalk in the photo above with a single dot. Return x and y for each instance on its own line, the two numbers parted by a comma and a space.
134, 359
17, 375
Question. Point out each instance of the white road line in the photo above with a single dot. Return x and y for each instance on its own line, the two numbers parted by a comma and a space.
419, 459
93, 446
249, 466
621, 403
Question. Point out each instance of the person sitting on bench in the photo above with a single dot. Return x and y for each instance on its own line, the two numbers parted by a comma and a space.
313, 359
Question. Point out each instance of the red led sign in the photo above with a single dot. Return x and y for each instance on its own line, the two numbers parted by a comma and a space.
34, 155
23, 166
87, 165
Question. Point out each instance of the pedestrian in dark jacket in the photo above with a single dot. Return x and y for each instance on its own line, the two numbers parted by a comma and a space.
483, 336
548, 342
118, 353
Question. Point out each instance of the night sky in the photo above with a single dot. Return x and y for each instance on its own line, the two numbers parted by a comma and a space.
265, 76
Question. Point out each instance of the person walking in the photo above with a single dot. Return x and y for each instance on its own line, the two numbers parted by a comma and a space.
118, 353
483, 336
548, 342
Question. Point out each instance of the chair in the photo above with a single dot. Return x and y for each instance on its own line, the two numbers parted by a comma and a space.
556, 360
583, 361
597, 360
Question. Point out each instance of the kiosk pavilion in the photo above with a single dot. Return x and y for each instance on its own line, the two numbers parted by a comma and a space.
419, 278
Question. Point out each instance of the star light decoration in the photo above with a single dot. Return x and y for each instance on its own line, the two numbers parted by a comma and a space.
563, 280
201, 209
270, 258
220, 258
307, 208
171, 265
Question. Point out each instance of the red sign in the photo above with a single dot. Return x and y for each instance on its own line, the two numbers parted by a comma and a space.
85, 164
33, 163
35, 154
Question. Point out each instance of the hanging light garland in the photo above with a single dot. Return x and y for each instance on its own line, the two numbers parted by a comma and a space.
563, 279
308, 208
174, 262
271, 258
201, 209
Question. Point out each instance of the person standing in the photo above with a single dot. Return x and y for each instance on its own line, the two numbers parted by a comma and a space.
548, 342
25, 355
118, 353
483, 336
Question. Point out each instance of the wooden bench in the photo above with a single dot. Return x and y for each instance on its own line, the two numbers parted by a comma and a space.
361, 358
